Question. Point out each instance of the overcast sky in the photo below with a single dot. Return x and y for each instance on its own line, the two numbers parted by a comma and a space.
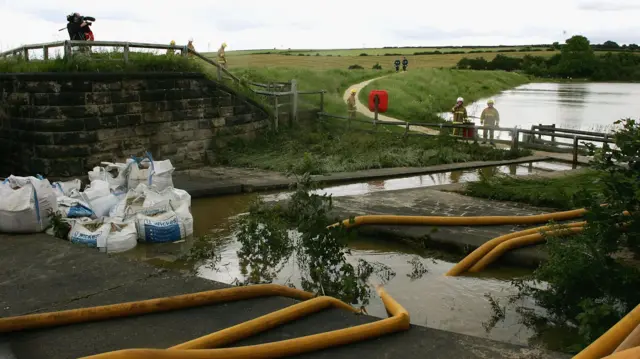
259, 24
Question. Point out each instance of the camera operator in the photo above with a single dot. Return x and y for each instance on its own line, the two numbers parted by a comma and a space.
78, 27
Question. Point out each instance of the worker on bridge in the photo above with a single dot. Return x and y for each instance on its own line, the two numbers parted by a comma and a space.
397, 64
459, 115
490, 118
405, 63
191, 48
351, 105
222, 58
171, 51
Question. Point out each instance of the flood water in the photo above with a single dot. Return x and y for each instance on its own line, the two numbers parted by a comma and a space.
449, 303
578, 106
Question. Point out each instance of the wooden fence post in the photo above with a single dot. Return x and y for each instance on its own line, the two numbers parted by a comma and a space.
539, 130
25, 53
574, 164
553, 130
45, 50
322, 101
406, 130
294, 102
276, 113
125, 53
68, 51
514, 143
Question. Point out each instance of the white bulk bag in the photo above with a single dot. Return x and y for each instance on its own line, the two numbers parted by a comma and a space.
102, 206
103, 173
122, 237
25, 204
138, 172
161, 176
164, 226
67, 188
176, 196
73, 208
92, 233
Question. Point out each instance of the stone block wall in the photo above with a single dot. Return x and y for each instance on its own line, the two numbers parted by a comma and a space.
62, 125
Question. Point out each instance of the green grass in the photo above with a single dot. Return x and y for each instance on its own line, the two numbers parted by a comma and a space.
327, 150
419, 95
557, 192
379, 51
103, 62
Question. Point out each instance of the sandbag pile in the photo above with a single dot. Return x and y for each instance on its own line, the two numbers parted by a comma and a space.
125, 203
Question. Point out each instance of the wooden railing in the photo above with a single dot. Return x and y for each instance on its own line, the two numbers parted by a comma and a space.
285, 95
515, 142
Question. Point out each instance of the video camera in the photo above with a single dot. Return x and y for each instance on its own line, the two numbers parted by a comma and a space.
73, 18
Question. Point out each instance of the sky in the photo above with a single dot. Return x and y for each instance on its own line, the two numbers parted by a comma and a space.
326, 24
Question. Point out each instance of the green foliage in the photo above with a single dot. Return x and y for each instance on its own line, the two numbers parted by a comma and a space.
576, 60
327, 151
272, 237
355, 67
377, 66
590, 280
560, 193
61, 228
419, 95
103, 62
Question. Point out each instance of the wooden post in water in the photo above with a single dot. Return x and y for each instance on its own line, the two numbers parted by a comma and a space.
574, 164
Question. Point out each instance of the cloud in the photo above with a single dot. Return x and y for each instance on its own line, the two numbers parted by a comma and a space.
254, 24
611, 5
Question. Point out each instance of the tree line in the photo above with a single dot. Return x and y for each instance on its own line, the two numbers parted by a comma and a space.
577, 59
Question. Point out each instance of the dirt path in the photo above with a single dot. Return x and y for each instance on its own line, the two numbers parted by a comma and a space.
364, 109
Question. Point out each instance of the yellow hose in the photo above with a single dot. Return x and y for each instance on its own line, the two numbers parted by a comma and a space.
518, 242
633, 353
613, 337
485, 248
632, 340
397, 322
263, 323
43, 320
461, 221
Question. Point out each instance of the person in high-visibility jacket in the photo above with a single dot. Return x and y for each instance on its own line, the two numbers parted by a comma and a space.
459, 114
171, 51
490, 118
351, 105
191, 47
397, 64
222, 58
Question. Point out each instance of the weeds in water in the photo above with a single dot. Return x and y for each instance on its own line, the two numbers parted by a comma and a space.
417, 268
272, 237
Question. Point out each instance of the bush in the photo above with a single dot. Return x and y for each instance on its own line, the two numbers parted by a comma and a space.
356, 67
377, 66
363, 54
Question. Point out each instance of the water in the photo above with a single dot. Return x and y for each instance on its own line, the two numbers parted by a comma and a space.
578, 106
450, 303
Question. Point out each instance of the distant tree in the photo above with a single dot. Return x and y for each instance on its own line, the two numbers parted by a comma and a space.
577, 58
610, 45
556, 45
633, 47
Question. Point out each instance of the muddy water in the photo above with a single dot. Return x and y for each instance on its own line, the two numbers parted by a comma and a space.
453, 304
580, 106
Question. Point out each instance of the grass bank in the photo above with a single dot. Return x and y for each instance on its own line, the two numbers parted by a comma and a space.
418, 96
325, 150
560, 192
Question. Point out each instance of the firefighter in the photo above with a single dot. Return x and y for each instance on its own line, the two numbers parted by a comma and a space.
459, 114
171, 51
191, 47
351, 105
405, 63
222, 59
397, 64
490, 118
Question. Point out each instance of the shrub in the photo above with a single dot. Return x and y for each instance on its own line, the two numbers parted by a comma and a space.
363, 54
377, 66
356, 67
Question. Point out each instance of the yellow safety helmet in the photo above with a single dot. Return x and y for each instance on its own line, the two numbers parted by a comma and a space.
491, 101
353, 91
173, 42
224, 44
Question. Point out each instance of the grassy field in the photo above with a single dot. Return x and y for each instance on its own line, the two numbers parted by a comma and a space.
557, 193
418, 96
382, 51
343, 62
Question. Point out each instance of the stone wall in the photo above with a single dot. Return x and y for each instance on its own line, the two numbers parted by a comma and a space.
64, 124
